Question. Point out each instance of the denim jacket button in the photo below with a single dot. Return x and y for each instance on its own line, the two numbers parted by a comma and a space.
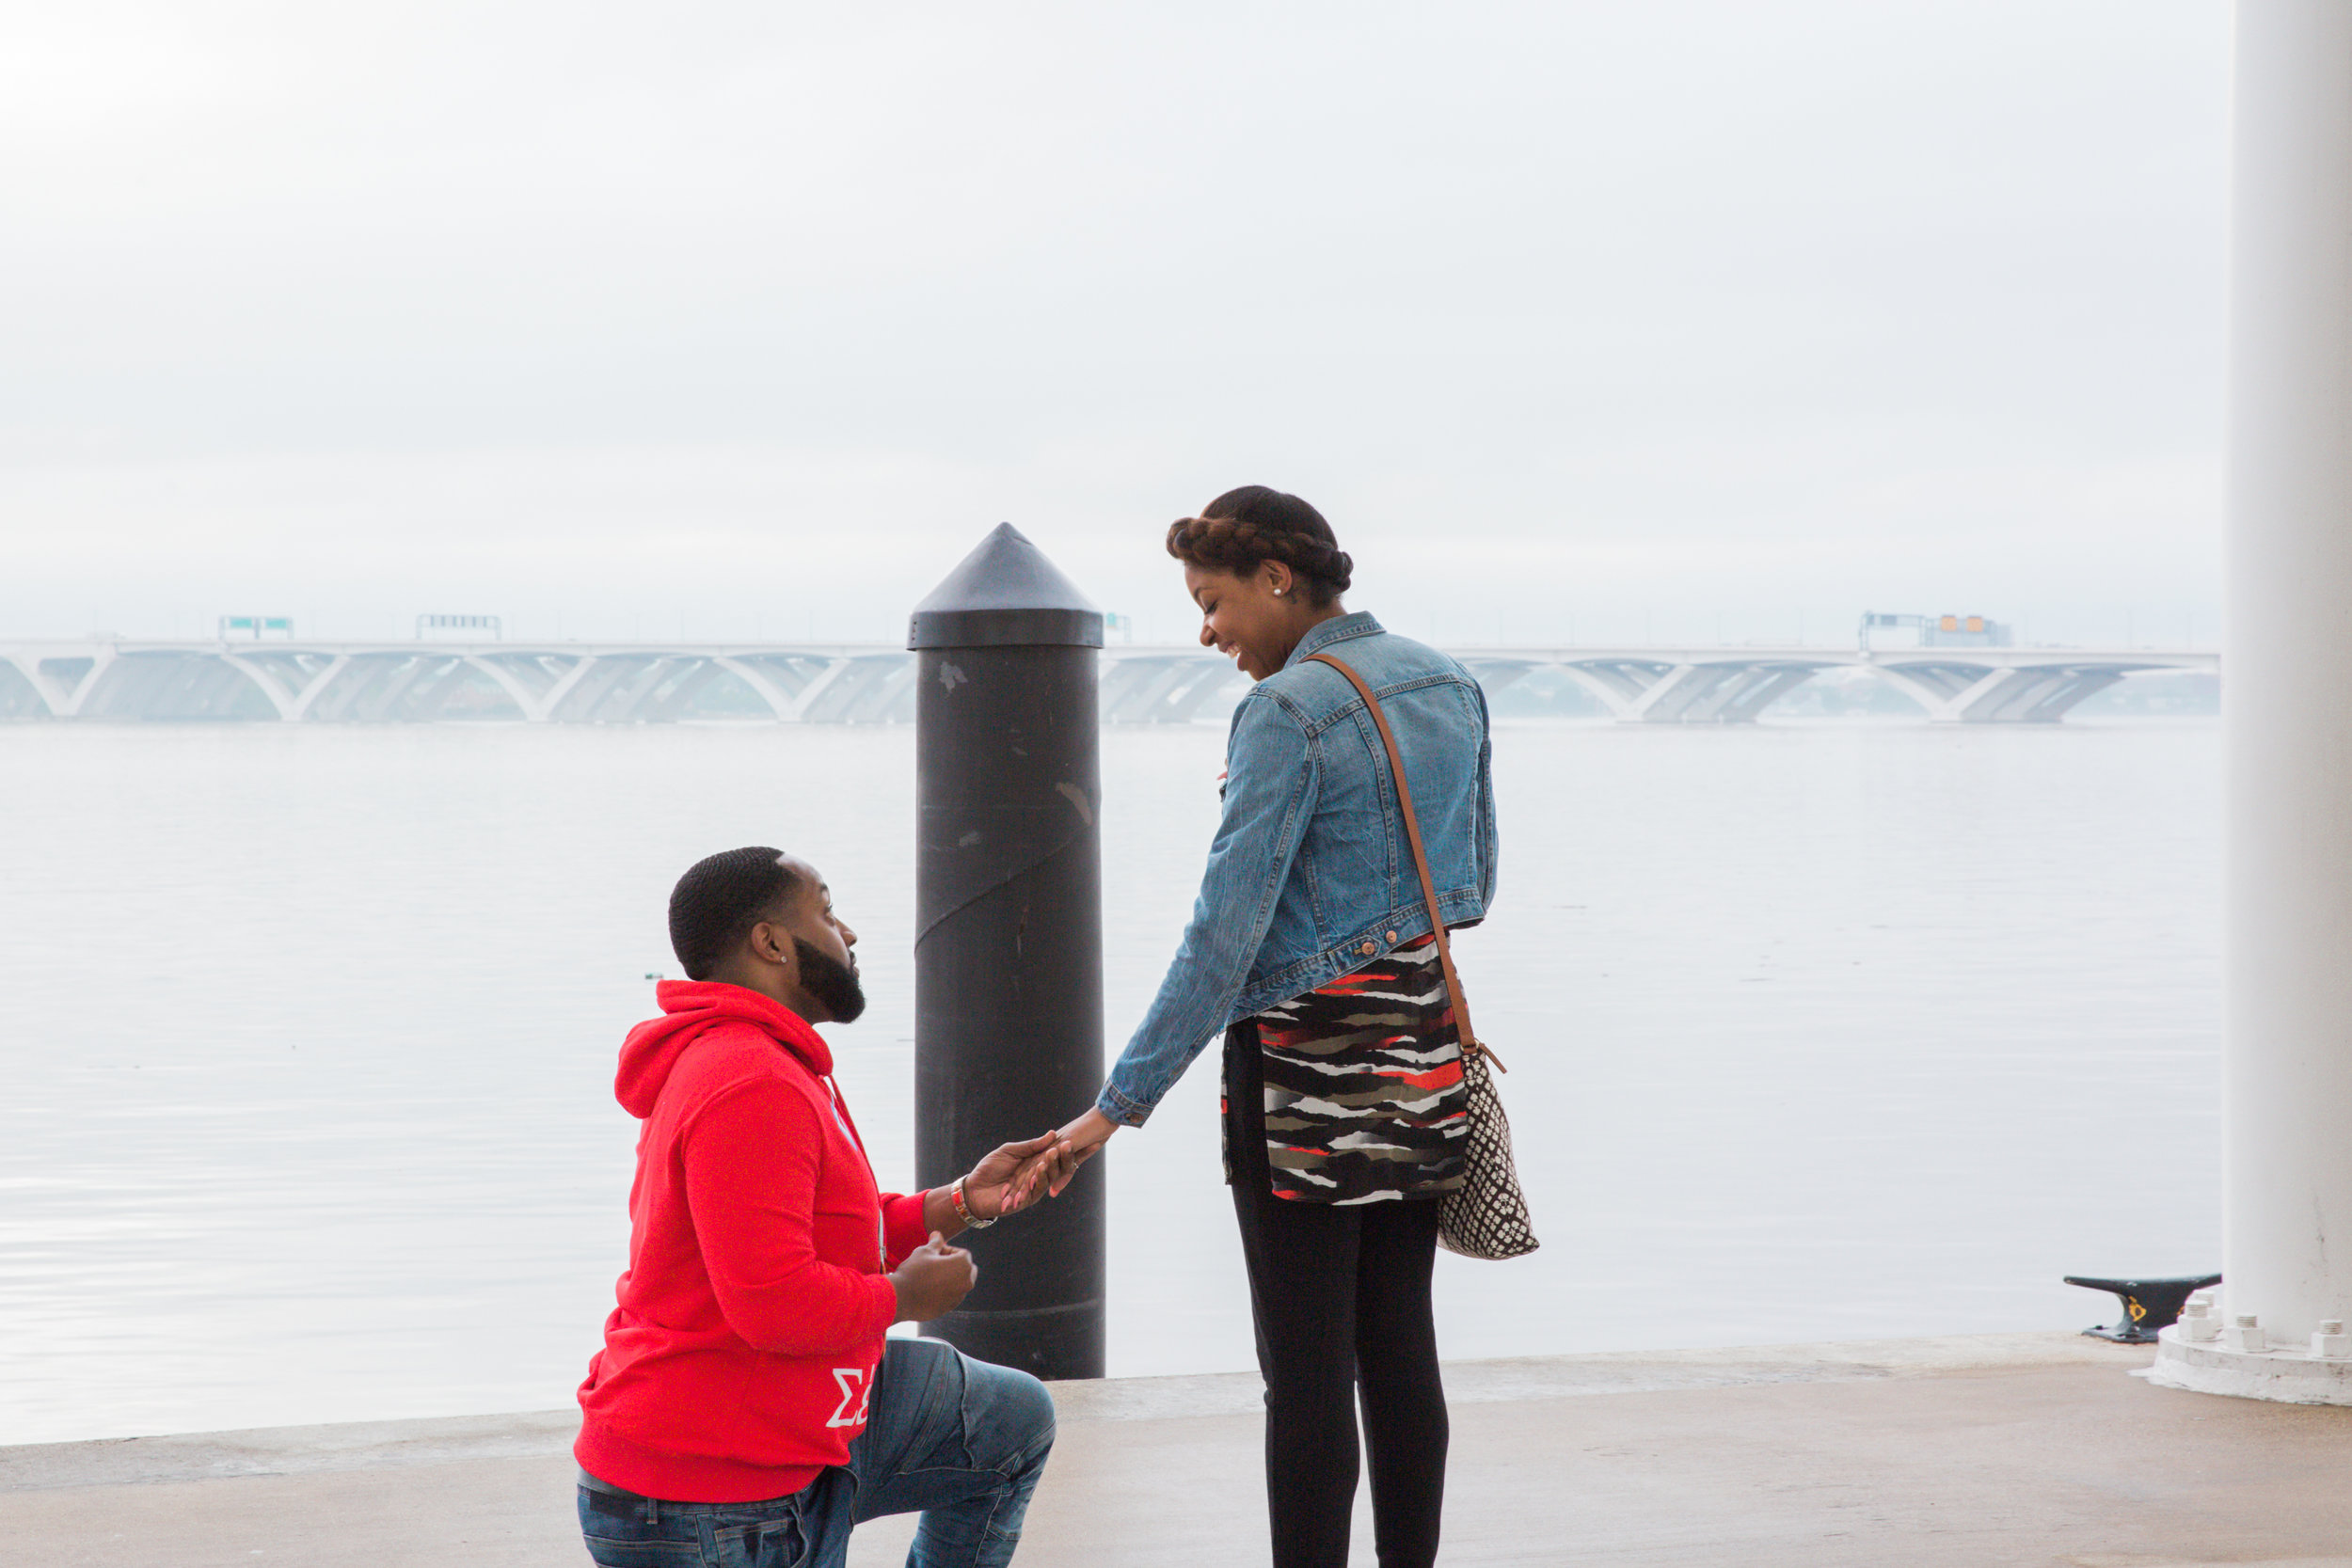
1369, 948
1392, 936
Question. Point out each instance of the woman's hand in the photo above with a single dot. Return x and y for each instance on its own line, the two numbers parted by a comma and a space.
1050, 1170
1080, 1141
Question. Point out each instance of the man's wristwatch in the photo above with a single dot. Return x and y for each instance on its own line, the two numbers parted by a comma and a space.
963, 1211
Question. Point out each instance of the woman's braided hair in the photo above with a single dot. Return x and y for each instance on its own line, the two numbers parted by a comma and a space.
1243, 528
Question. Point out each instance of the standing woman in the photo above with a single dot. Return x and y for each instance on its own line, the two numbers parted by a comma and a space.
1310, 947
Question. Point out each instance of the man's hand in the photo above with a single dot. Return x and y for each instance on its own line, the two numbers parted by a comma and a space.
1013, 1175
933, 1280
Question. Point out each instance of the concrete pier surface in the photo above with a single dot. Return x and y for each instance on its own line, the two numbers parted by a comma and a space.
2035, 1449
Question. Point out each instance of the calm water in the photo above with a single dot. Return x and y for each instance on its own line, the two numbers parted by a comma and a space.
1815, 1033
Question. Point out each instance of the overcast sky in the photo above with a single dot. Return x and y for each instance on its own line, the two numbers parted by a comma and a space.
1578, 320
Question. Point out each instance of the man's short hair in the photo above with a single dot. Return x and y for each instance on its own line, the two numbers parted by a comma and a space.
719, 899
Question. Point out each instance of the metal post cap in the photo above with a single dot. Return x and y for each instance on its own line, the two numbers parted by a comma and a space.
1006, 594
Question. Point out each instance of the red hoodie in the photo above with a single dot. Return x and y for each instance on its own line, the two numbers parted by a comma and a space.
739, 1361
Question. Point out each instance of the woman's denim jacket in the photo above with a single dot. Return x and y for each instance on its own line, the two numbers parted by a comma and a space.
1310, 876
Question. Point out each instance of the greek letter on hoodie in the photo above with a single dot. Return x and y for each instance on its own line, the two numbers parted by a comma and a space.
739, 1359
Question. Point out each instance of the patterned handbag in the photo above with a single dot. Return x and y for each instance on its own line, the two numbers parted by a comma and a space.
1487, 1216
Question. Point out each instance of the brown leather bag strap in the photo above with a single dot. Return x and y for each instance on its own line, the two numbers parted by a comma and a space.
1471, 1043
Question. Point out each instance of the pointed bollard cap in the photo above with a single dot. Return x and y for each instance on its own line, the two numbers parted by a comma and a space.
1005, 593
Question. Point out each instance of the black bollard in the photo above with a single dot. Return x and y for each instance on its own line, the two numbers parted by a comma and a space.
1009, 934
2149, 1305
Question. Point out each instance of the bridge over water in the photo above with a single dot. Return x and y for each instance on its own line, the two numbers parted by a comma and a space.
583, 683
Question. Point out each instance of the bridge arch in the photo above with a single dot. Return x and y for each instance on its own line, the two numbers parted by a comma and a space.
171, 684
19, 697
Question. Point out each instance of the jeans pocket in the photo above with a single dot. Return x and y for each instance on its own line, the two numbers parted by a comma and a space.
775, 1543
610, 1552
627, 1540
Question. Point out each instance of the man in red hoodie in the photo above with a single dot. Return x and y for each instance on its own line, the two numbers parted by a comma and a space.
747, 1408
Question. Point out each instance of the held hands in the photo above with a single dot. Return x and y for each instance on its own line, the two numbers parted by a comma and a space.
935, 1277
933, 1280
1073, 1146
1015, 1175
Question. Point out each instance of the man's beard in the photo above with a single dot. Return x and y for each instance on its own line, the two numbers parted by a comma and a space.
833, 984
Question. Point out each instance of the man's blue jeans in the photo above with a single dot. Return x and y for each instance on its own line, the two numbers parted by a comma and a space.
957, 1440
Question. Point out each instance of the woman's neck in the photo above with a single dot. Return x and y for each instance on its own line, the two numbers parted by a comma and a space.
1306, 618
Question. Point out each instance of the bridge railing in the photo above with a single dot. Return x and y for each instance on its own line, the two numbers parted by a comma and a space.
841, 684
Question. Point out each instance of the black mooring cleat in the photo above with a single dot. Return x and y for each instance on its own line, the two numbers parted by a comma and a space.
2148, 1304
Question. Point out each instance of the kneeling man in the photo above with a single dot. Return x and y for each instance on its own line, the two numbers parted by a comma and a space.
747, 1407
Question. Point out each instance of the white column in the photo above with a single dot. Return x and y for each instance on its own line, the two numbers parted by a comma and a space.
2287, 1249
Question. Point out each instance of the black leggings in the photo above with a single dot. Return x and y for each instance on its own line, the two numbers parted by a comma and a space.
1341, 1297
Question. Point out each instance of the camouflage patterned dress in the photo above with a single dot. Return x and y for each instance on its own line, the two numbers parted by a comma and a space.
1362, 1085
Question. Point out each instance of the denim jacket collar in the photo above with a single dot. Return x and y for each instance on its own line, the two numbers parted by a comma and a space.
1320, 637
